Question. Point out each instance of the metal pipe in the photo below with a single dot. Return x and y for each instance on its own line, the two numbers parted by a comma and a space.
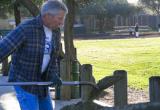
65, 83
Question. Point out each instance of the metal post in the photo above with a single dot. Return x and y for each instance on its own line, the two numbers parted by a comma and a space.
75, 91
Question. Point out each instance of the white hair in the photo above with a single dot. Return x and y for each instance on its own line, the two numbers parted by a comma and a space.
53, 7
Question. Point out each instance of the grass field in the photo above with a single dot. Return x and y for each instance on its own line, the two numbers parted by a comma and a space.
140, 57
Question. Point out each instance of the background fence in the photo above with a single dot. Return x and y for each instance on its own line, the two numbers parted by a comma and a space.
91, 23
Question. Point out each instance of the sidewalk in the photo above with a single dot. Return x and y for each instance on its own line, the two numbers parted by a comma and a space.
8, 99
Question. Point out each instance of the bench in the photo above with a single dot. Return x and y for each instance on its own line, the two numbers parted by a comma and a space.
130, 29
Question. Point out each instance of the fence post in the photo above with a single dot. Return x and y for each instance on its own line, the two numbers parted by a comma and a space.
86, 75
65, 91
154, 88
120, 89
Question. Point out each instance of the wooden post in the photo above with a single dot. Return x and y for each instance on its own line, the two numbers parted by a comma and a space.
5, 67
65, 90
86, 75
154, 89
120, 89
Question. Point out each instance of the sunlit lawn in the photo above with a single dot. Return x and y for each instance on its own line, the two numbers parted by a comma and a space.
140, 57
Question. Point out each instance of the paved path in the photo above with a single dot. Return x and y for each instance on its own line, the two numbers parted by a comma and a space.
7, 97
8, 100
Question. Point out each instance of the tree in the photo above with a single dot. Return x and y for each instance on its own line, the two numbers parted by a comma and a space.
107, 9
6, 7
153, 5
70, 51
30, 5
68, 29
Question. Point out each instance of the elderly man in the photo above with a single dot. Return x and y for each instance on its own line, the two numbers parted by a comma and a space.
34, 45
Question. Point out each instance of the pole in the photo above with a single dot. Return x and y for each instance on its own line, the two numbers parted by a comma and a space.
65, 83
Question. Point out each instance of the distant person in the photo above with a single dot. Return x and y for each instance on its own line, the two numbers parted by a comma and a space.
158, 27
136, 30
130, 31
35, 48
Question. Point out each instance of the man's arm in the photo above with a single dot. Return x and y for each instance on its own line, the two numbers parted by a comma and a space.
10, 42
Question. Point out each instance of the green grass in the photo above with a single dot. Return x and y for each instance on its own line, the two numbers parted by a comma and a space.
140, 57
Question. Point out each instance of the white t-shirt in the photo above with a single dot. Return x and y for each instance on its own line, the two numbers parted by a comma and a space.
47, 49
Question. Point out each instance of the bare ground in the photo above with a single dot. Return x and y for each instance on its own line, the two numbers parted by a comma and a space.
134, 96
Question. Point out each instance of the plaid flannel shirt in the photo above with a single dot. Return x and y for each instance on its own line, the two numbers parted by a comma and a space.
26, 44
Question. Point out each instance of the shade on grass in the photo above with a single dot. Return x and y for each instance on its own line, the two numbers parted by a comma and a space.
140, 57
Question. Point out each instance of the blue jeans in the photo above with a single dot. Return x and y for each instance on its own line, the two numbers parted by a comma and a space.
29, 101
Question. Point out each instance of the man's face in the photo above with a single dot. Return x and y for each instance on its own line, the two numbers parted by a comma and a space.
54, 22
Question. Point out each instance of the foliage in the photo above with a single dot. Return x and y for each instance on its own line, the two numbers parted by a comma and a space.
139, 57
6, 8
25, 12
106, 10
153, 5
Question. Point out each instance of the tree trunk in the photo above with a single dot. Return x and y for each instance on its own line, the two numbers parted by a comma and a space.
68, 34
17, 13
69, 48
68, 30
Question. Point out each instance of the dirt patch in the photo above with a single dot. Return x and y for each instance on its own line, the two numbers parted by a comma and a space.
134, 96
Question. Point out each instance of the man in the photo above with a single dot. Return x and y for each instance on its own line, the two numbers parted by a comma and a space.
158, 27
34, 46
